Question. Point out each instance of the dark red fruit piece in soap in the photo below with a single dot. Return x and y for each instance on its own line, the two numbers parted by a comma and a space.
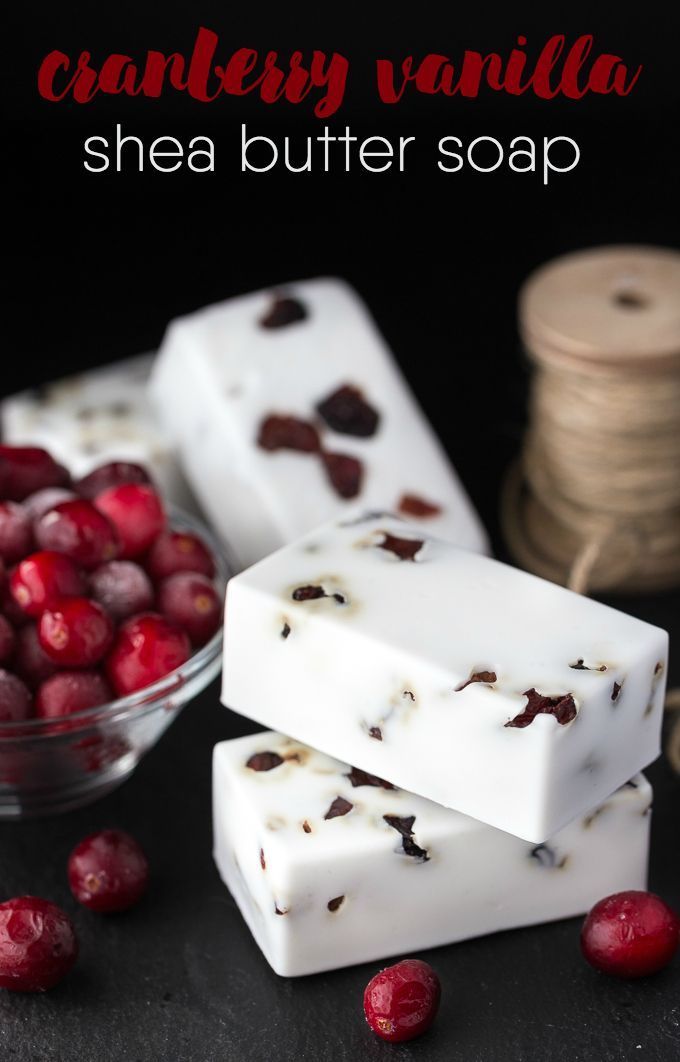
616, 690
122, 588
31, 661
179, 551
336, 903
26, 469
108, 871
375, 732
42, 579
308, 593
7, 639
339, 807
401, 1002
562, 707
71, 691
136, 512
15, 698
76, 632
405, 549
191, 601
112, 474
404, 825
264, 761
16, 532
347, 412
413, 505
283, 311
146, 648
80, 531
487, 677
38, 944
358, 777
630, 934
288, 433
345, 474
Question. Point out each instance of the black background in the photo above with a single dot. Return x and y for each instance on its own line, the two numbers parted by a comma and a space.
95, 267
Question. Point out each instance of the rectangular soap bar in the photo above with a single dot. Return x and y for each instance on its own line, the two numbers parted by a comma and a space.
93, 417
285, 409
330, 868
454, 676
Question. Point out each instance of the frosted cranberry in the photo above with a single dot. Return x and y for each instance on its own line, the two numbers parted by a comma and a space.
39, 503
38, 944
146, 648
7, 639
71, 691
630, 934
80, 531
192, 602
122, 588
76, 632
110, 475
16, 534
31, 661
44, 578
15, 698
26, 469
108, 871
179, 551
402, 1001
136, 511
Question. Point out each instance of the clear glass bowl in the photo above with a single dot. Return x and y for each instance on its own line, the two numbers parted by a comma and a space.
48, 766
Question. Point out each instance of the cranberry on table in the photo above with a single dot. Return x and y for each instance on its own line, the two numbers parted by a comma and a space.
38, 503
75, 632
16, 532
191, 601
401, 1001
79, 530
27, 469
146, 648
7, 639
42, 579
122, 588
630, 934
38, 944
71, 691
112, 474
15, 698
108, 871
136, 511
31, 661
179, 551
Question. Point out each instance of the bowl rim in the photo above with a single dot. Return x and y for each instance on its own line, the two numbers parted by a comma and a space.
147, 699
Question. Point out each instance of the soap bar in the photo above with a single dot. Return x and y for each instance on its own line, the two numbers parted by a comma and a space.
288, 408
95, 417
330, 866
459, 678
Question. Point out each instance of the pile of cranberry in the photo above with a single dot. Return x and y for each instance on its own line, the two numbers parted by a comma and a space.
99, 597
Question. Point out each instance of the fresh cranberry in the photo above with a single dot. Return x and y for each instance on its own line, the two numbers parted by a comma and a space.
42, 579
26, 469
9, 608
16, 534
179, 551
15, 698
136, 511
108, 871
76, 632
31, 661
122, 588
71, 691
38, 944
630, 934
7, 639
37, 504
110, 475
192, 602
401, 1001
80, 531
146, 648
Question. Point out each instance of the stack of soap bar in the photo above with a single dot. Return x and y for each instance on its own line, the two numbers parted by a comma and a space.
287, 408
459, 678
330, 866
95, 417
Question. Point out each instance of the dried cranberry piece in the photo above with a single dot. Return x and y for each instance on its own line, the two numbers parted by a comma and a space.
288, 433
414, 505
306, 827
562, 707
285, 631
358, 777
580, 666
375, 732
405, 549
264, 761
335, 903
404, 826
308, 593
487, 677
283, 311
344, 472
263, 862
616, 690
347, 412
339, 807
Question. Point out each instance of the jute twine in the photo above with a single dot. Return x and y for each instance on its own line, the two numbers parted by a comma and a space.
594, 501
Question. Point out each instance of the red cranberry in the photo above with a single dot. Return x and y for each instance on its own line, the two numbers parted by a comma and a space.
42, 579
136, 511
110, 475
31, 661
16, 534
15, 698
71, 691
38, 944
80, 531
630, 934
39, 503
192, 602
7, 639
108, 871
401, 1001
179, 551
146, 648
76, 632
122, 588
26, 469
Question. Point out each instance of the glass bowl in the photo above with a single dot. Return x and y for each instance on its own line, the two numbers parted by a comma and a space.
50, 766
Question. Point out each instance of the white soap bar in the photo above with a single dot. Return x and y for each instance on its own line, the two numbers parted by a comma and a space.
224, 372
95, 417
454, 676
329, 868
